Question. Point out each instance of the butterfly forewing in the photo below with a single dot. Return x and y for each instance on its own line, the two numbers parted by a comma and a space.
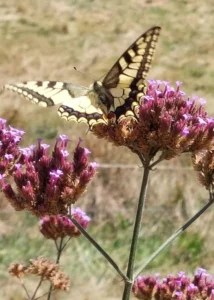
135, 62
130, 71
76, 106
47, 93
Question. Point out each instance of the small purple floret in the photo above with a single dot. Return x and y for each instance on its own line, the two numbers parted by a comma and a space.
46, 184
175, 287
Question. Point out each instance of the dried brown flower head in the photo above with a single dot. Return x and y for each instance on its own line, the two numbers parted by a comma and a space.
18, 269
203, 163
46, 269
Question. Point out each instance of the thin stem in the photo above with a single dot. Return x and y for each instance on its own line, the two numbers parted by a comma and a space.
56, 244
43, 295
99, 248
142, 158
38, 286
59, 252
57, 247
50, 292
138, 221
174, 236
156, 162
65, 244
24, 287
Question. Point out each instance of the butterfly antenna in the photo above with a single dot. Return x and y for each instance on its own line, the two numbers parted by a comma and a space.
103, 76
88, 75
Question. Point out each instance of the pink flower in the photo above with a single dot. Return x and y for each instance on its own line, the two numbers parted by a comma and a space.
175, 287
48, 184
9, 146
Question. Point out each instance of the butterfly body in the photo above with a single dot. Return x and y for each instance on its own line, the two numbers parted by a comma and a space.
119, 93
103, 97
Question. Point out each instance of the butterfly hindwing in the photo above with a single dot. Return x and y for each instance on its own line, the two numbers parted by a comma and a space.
81, 109
89, 115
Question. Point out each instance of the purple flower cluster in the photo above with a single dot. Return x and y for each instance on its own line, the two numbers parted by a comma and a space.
179, 287
9, 149
165, 120
170, 120
47, 184
53, 227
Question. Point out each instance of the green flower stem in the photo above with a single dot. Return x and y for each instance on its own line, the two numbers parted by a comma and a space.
59, 252
60, 249
138, 221
174, 236
99, 248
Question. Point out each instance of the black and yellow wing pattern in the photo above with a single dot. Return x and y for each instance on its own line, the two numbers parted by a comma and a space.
73, 102
122, 87
128, 74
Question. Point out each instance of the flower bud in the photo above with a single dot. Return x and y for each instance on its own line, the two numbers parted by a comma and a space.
53, 227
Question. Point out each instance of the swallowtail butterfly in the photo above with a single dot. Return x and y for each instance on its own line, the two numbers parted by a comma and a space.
119, 91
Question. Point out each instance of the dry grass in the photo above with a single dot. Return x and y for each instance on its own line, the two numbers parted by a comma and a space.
44, 40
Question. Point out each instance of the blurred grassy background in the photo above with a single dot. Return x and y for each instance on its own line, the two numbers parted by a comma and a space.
44, 40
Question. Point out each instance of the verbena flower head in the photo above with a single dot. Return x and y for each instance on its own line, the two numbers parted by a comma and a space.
53, 227
46, 269
165, 120
203, 163
9, 146
180, 287
48, 184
